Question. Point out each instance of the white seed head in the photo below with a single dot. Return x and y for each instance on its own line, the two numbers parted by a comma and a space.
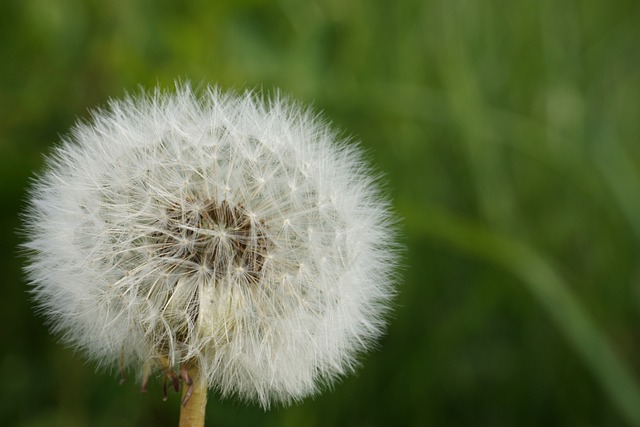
217, 230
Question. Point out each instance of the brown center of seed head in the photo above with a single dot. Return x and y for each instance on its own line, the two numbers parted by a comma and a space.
217, 237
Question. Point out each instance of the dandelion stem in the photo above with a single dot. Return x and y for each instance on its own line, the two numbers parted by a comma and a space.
194, 399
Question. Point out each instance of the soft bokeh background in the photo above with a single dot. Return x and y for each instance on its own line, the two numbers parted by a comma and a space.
508, 132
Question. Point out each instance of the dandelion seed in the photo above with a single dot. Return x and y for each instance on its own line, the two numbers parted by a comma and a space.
216, 239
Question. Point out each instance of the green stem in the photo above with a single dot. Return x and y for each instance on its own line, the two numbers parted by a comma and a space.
193, 406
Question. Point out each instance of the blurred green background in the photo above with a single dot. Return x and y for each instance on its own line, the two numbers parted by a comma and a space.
508, 133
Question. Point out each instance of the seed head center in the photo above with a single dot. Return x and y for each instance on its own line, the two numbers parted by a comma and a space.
217, 237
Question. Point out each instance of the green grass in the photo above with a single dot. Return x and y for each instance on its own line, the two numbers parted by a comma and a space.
509, 135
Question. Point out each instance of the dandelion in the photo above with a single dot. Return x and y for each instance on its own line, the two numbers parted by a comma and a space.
219, 240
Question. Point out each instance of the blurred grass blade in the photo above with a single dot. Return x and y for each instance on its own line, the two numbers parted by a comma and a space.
551, 291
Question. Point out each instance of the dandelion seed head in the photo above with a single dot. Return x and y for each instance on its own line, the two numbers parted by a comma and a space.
213, 229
